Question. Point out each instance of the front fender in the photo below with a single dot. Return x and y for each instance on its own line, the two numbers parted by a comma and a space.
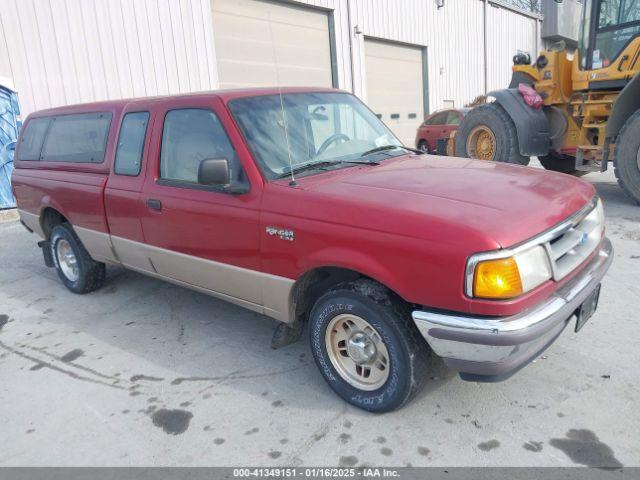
532, 126
356, 261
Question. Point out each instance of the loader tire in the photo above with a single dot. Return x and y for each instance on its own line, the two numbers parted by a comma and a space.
626, 160
488, 133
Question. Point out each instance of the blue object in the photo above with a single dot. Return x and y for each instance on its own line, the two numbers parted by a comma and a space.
9, 127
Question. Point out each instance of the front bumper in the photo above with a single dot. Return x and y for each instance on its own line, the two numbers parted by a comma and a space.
492, 349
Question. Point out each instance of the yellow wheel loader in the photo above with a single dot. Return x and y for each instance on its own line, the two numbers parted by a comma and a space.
587, 110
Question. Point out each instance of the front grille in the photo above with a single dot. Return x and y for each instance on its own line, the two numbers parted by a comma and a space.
576, 243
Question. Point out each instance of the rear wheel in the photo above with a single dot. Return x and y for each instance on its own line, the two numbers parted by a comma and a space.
557, 162
77, 270
626, 160
367, 347
487, 133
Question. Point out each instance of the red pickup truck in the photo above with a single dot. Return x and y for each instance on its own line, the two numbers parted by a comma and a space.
301, 205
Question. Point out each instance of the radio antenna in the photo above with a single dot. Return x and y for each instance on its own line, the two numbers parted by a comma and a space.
293, 182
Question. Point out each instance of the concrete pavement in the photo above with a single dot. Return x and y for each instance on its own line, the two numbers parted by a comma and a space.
145, 373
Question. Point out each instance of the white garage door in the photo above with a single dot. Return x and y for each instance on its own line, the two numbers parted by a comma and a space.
395, 87
252, 37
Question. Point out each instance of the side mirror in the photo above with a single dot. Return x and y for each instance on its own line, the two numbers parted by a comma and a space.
214, 171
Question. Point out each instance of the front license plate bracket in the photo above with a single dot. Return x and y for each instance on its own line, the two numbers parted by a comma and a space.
587, 308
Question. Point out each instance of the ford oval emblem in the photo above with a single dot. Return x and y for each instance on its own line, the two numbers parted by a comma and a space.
584, 238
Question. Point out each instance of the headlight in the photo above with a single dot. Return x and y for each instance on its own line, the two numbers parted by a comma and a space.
502, 278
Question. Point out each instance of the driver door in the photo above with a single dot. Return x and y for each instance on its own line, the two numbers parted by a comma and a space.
196, 234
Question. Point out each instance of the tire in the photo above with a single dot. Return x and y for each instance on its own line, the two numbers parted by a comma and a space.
556, 162
88, 275
424, 146
492, 118
407, 353
626, 160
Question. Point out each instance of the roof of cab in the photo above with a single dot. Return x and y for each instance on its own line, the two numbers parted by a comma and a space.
225, 95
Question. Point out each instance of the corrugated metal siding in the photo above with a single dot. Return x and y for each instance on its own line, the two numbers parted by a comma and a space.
339, 12
507, 32
454, 37
69, 51
404, 21
456, 55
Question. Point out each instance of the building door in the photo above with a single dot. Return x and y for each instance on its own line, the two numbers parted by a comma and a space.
395, 86
261, 43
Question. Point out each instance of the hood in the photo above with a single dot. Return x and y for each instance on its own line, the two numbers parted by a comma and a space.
418, 195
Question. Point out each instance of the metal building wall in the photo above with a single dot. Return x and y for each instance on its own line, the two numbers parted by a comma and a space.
456, 55
454, 36
67, 51
507, 32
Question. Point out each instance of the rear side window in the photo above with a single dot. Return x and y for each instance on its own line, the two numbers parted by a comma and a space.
131, 143
78, 138
32, 138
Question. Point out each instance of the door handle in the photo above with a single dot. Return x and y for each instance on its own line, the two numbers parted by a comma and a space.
154, 204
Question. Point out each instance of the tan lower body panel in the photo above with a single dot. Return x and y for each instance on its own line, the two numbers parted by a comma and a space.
31, 221
257, 291
98, 244
237, 301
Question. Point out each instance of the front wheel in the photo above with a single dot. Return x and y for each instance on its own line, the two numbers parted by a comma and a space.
488, 133
367, 347
626, 160
77, 270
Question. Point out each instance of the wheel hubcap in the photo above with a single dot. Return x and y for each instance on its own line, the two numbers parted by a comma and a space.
357, 352
481, 143
67, 260
361, 348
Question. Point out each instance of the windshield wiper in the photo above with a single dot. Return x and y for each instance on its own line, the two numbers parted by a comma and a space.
324, 163
383, 148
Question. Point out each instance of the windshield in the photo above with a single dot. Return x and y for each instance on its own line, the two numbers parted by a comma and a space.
618, 22
320, 127
583, 39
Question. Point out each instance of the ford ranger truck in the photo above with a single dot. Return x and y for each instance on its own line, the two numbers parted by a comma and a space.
300, 204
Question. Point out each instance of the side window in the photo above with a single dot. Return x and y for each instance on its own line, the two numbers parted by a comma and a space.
131, 143
453, 118
32, 138
190, 136
438, 119
441, 118
77, 138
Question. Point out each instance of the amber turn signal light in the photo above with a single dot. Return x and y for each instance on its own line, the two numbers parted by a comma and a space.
497, 279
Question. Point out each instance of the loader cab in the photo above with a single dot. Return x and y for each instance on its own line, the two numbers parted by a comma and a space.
606, 29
